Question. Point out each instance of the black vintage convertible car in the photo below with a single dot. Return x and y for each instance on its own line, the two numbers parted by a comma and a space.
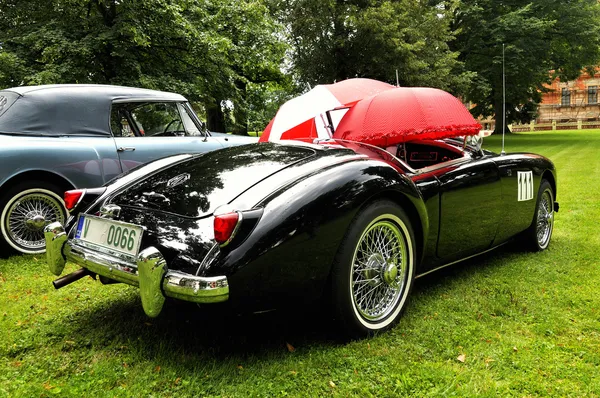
266, 224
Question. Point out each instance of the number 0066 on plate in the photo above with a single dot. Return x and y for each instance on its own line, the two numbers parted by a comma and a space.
113, 235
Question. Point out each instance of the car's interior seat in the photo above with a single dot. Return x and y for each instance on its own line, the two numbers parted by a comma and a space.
419, 154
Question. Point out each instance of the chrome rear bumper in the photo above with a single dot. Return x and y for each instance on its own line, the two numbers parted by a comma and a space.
149, 273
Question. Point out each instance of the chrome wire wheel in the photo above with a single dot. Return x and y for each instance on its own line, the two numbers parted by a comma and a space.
545, 219
380, 269
26, 214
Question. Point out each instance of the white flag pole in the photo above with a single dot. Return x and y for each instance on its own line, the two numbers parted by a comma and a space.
503, 102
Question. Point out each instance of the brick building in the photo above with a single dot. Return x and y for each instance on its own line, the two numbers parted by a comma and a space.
571, 101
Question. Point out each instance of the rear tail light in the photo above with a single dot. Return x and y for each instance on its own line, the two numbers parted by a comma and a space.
73, 197
226, 226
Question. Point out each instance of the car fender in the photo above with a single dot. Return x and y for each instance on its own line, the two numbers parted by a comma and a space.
518, 213
83, 162
291, 248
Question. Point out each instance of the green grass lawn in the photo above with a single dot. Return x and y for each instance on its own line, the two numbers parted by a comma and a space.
509, 323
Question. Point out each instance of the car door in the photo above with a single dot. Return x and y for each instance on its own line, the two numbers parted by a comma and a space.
149, 130
470, 207
520, 175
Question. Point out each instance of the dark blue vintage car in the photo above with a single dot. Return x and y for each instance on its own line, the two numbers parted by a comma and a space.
58, 137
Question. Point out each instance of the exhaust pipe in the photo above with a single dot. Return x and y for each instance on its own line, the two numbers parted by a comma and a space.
72, 277
107, 281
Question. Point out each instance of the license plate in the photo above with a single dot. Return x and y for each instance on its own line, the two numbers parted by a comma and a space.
113, 235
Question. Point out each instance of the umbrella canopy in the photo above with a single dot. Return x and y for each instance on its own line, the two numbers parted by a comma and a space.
304, 116
406, 113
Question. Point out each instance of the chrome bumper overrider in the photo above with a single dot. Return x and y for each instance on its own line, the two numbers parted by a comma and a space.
149, 273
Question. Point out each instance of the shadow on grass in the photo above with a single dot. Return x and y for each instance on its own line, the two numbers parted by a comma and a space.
200, 333
219, 333
6, 254
483, 263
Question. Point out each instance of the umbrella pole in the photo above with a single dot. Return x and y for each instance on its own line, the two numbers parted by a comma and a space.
330, 124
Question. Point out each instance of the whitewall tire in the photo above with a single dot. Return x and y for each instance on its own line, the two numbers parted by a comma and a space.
540, 232
374, 270
25, 210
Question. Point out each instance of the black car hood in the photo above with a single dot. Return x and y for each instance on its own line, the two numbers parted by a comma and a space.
197, 186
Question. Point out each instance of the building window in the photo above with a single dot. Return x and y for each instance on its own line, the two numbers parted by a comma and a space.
592, 94
565, 99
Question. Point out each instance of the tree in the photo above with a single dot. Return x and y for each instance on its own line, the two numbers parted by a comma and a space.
543, 39
264, 101
99, 41
255, 50
334, 40
194, 47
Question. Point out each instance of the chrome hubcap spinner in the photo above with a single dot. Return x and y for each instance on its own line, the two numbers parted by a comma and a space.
34, 221
379, 270
390, 274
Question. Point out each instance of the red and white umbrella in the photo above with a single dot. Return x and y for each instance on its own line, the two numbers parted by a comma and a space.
406, 113
305, 116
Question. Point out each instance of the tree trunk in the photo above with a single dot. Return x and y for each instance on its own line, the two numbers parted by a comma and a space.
240, 112
215, 120
498, 109
109, 63
339, 37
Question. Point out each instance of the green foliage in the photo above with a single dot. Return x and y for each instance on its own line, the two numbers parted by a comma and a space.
200, 48
256, 56
335, 40
528, 324
264, 100
240, 59
539, 36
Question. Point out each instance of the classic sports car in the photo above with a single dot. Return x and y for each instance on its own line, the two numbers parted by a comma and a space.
59, 137
269, 223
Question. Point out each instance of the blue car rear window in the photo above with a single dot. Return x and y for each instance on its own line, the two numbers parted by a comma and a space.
7, 98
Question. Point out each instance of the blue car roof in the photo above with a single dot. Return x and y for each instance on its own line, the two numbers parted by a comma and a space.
70, 109
108, 91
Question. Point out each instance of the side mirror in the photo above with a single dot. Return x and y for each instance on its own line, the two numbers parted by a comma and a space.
476, 141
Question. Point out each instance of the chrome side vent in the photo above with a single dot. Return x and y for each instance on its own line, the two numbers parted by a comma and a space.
110, 211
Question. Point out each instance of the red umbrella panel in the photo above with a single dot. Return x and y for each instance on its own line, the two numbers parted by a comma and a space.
404, 114
306, 116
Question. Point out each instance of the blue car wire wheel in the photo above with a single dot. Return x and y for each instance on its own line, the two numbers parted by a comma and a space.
25, 210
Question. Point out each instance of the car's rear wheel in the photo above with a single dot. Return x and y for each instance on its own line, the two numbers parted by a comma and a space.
374, 270
539, 233
25, 209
